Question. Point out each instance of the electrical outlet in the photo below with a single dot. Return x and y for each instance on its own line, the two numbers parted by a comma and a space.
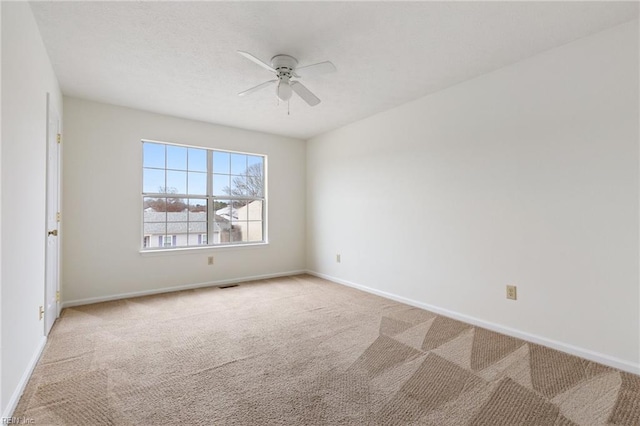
512, 292
210, 260
338, 260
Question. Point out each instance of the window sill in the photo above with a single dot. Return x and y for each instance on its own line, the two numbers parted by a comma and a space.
194, 250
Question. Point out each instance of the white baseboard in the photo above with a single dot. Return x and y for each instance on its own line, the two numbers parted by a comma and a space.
22, 384
554, 344
90, 300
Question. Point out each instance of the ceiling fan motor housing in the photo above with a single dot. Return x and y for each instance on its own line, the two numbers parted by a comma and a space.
285, 65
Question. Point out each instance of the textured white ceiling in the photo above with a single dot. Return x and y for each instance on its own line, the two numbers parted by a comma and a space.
180, 58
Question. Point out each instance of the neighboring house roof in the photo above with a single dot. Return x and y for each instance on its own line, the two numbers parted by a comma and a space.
180, 222
251, 211
225, 212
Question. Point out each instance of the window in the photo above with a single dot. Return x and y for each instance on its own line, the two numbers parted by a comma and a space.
167, 240
201, 197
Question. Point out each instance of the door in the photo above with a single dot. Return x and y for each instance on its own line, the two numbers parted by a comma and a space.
53, 190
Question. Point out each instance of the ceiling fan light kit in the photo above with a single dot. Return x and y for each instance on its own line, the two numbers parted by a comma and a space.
286, 68
283, 91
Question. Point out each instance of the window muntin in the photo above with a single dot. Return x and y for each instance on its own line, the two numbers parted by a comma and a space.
201, 197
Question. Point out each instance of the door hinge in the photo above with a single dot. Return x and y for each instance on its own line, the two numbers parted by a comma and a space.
57, 296
40, 313
59, 138
58, 217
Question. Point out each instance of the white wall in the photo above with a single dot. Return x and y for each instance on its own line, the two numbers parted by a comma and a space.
101, 212
27, 76
525, 176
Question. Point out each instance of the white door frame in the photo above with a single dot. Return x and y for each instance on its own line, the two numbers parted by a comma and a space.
52, 249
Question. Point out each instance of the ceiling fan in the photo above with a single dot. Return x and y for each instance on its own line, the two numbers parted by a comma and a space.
285, 68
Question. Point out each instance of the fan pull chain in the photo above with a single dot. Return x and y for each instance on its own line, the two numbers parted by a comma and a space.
288, 112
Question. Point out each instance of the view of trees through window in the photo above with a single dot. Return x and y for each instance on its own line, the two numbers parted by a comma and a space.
195, 196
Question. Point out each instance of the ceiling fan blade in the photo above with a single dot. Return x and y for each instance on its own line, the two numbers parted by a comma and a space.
252, 58
316, 69
256, 88
304, 93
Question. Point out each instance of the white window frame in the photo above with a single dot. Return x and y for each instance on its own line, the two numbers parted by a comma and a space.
210, 199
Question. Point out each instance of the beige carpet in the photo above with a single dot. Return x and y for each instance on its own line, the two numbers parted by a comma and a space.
304, 351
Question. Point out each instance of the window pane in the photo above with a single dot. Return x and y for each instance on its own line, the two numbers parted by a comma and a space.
197, 210
154, 226
168, 240
152, 206
241, 230
235, 206
239, 210
254, 232
197, 227
176, 182
153, 155
236, 233
222, 221
224, 236
176, 157
153, 229
255, 165
254, 210
221, 185
225, 212
153, 181
238, 164
176, 210
238, 185
221, 162
219, 205
180, 228
197, 184
197, 160
197, 233
215, 238
255, 186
